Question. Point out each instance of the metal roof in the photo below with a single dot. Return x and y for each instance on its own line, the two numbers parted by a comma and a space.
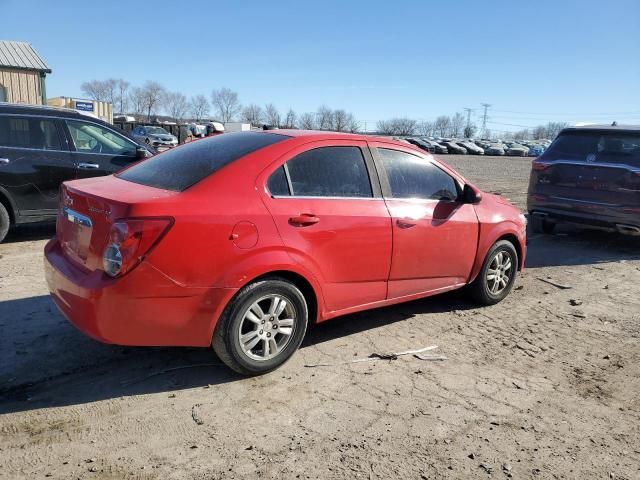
21, 55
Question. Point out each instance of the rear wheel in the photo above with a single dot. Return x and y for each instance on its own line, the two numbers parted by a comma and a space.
498, 274
262, 327
5, 222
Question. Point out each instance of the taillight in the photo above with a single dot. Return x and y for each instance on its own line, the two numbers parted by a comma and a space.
130, 240
539, 166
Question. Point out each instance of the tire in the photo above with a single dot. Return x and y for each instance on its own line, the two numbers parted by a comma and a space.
239, 320
541, 225
5, 222
481, 288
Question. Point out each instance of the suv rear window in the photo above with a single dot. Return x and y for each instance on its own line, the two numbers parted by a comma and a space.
596, 147
180, 168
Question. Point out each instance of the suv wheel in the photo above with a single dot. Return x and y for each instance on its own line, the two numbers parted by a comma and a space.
498, 274
262, 327
5, 222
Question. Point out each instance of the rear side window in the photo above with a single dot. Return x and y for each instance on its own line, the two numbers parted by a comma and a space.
329, 172
182, 167
596, 146
25, 132
411, 176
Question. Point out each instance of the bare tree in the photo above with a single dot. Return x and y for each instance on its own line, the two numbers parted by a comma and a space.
470, 130
121, 97
553, 129
226, 104
137, 101
340, 120
397, 126
272, 115
539, 132
442, 125
307, 121
324, 118
199, 106
176, 105
99, 90
253, 114
457, 124
521, 134
352, 125
152, 94
425, 128
290, 119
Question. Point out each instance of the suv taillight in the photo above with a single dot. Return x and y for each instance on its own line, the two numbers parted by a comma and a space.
539, 166
130, 240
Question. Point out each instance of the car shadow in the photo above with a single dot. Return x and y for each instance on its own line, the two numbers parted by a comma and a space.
45, 362
30, 232
569, 246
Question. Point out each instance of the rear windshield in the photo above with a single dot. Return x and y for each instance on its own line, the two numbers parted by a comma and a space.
596, 146
182, 167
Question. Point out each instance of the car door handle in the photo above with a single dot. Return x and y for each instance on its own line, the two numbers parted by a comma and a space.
402, 223
4, 161
88, 166
304, 220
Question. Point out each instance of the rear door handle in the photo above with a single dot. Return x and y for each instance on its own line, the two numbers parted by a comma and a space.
402, 223
304, 220
88, 166
4, 160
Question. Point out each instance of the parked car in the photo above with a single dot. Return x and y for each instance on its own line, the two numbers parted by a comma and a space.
437, 148
471, 147
494, 149
242, 240
536, 150
453, 147
517, 150
427, 147
155, 136
41, 147
588, 176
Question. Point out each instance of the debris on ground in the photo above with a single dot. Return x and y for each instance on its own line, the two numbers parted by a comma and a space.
374, 356
555, 284
433, 358
575, 302
195, 414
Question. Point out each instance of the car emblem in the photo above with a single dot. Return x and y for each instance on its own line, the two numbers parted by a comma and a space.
591, 158
68, 200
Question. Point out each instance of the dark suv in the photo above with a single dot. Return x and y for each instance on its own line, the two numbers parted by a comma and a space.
588, 176
41, 147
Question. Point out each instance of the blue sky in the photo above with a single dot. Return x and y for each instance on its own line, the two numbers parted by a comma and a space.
536, 61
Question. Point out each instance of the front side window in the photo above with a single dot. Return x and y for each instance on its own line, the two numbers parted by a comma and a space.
330, 172
92, 138
24, 132
411, 176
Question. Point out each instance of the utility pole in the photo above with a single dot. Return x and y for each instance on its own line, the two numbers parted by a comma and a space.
484, 117
468, 110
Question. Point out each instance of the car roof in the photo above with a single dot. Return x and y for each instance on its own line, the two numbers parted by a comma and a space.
611, 128
324, 135
42, 110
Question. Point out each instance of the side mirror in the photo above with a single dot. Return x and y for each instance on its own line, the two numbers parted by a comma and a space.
470, 194
141, 153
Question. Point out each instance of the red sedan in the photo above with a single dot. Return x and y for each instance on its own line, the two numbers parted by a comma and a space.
240, 241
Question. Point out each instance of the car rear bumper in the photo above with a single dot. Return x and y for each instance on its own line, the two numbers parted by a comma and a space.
590, 214
143, 308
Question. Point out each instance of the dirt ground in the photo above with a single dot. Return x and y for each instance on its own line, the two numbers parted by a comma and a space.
544, 385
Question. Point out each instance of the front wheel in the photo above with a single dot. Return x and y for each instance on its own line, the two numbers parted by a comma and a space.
498, 274
262, 327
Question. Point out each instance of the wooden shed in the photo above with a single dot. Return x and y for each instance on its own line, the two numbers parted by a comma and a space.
22, 74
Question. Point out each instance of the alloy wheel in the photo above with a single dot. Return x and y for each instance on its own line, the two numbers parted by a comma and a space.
499, 272
267, 327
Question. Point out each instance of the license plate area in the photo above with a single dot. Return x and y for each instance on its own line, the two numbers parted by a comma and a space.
77, 234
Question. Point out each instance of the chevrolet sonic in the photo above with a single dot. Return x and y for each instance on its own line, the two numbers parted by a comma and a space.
241, 241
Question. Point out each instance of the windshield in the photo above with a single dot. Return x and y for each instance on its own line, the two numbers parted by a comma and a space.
179, 168
596, 147
157, 131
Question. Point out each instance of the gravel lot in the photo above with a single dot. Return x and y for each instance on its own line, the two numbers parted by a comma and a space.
544, 385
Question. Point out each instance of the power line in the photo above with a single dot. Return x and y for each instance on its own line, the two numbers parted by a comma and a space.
484, 117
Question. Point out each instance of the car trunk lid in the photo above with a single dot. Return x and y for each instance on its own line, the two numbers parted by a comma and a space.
88, 209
